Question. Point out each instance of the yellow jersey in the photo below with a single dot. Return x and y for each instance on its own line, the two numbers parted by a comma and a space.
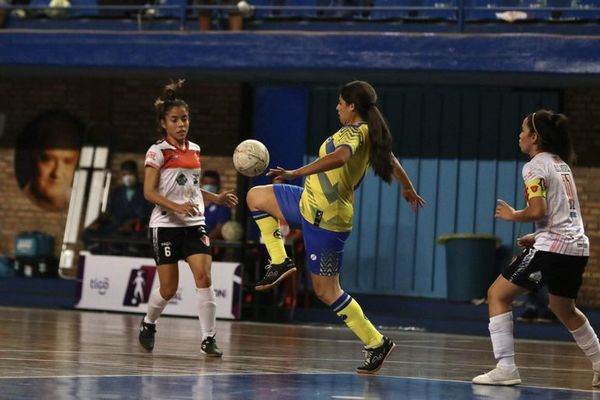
327, 199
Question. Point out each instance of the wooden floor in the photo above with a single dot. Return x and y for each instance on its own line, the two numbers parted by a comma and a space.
73, 354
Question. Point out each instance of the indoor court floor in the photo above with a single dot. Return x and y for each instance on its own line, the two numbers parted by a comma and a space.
63, 354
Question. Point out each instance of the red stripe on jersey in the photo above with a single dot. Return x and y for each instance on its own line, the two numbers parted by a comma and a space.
189, 159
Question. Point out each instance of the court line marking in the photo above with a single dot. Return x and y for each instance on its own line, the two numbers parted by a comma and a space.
218, 374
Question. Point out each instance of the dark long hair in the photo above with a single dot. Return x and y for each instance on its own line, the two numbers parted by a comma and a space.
554, 135
168, 100
364, 98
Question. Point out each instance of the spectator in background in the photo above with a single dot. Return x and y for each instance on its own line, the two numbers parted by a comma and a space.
216, 214
127, 213
536, 307
3, 12
238, 10
46, 158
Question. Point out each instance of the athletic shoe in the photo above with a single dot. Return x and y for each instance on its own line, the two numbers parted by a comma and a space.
210, 348
596, 380
499, 376
147, 332
375, 357
529, 315
275, 274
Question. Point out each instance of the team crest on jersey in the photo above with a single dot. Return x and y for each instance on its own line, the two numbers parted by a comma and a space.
536, 277
196, 179
277, 234
205, 240
181, 180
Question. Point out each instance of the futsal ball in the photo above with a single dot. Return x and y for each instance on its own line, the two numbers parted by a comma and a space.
232, 230
251, 158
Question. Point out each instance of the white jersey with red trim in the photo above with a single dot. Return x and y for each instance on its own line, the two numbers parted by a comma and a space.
561, 230
179, 182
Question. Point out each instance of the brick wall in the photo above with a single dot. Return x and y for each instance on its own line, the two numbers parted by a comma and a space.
582, 106
123, 114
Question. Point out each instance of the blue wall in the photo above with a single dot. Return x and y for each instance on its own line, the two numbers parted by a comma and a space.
285, 53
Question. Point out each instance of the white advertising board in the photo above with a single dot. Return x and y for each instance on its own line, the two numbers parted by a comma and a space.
118, 283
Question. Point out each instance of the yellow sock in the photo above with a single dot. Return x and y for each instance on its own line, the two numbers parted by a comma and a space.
271, 235
349, 310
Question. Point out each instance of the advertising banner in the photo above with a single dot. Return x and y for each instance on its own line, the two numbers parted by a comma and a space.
118, 283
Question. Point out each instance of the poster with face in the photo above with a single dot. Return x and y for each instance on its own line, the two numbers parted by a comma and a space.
46, 157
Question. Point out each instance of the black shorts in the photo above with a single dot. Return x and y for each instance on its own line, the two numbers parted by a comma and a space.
173, 244
534, 268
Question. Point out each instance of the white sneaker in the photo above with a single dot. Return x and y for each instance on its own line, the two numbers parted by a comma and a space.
500, 376
596, 380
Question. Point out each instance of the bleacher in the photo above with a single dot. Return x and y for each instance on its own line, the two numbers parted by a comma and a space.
561, 16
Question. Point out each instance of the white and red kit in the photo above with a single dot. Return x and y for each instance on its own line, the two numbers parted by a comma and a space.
561, 230
179, 182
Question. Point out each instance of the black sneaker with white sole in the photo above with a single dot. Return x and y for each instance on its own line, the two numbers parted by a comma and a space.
210, 348
375, 357
275, 274
147, 332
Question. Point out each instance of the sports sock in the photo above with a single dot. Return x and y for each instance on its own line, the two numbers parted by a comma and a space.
207, 310
349, 310
586, 339
156, 305
503, 342
271, 235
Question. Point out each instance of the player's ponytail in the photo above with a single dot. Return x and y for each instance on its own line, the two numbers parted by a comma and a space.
167, 100
554, 134
364, 98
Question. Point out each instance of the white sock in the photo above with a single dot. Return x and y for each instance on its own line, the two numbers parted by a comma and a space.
503, 342
207, 310
156, 305
586, 339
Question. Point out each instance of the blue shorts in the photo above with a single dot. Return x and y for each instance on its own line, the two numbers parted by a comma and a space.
324, 249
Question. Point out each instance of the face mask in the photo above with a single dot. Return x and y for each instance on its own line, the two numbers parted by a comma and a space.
128, 180
210, 188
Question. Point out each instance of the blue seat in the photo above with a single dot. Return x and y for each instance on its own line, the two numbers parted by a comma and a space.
390, 14
488, 10
442, 10
171, 12
487, 14
580, 11
90, 8
533, 10
263, 13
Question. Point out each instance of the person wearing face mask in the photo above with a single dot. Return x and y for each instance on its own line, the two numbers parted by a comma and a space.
126, 216
128, 210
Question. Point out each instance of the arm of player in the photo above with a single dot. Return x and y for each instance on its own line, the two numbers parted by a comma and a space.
333, 160
227, 197
535, 210
408, 191
526, 241
151, 178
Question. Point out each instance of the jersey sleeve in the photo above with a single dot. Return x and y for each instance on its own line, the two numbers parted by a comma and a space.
535, 185
154, 158
351, 137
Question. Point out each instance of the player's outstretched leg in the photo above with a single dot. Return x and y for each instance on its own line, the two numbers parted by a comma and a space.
375, 357
275, 274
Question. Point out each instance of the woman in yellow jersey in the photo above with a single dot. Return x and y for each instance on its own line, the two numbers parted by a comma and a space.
323, 209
